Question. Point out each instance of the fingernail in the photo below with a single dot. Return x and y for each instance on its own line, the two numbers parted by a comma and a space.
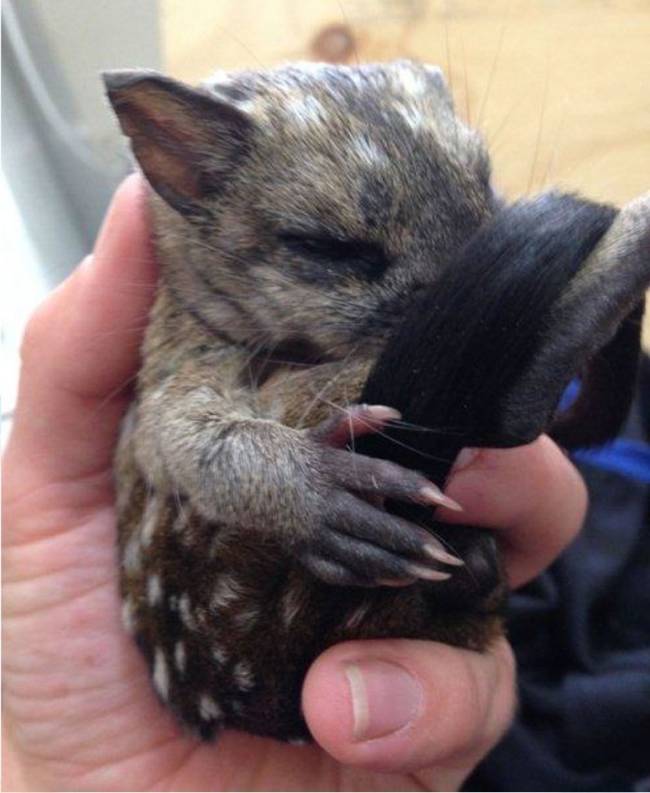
465, 458
385, 698
435, 496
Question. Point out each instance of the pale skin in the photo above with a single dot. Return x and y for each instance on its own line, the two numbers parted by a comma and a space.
79, 712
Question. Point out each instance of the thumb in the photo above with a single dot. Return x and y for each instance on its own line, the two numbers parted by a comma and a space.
80, 348
402, 705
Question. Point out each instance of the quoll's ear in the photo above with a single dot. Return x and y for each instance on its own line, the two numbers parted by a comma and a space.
597, 322
185, 140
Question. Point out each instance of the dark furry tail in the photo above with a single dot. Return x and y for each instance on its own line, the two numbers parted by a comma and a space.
548, 289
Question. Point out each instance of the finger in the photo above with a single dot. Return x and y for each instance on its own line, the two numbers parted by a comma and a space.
80, 349
532, 497
403, 705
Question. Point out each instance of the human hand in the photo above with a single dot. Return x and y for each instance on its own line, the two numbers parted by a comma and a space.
79, 710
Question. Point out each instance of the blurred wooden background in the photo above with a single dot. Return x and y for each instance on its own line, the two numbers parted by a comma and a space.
559, 88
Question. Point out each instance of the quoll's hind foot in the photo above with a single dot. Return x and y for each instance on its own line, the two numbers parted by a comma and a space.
359, 543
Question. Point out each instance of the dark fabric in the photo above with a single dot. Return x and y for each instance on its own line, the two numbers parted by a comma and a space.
581, 633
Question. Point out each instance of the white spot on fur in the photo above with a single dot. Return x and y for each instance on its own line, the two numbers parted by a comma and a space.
411, 82
219, 77
132, 554
128, 615
149, 521
173, 602
368, 152
161, 674
180, 523
220, 655
154, 590
307, 110
128, 424
208, 708
290, 607
243, 676
205, 394
246, 619
227, 591
245, 105
222, 80
311, 67
216, 544
357, 78
357, 616
411, 115
435, 72
180, 657
185, 610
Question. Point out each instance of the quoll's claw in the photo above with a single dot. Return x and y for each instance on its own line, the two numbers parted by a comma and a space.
367, 562
354, 517
373, 477
436, 551
352, 422
374, 547
429, 575
336, 574
431, 494
358, 542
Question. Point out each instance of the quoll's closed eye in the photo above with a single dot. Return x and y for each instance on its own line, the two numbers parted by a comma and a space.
334, 257
256, 525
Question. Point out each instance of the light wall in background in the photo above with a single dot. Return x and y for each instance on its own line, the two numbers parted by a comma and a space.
62, 154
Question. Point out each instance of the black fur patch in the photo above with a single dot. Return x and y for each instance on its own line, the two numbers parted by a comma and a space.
375, 202
462, 348
466, 339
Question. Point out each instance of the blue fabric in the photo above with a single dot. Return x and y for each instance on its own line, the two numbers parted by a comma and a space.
628, 458
581, 633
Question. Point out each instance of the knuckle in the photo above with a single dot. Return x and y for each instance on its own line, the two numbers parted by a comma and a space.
504, 699
458, 701
506, 657
36, 333
466, 706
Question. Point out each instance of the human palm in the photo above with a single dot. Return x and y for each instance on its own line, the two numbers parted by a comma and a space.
79, 710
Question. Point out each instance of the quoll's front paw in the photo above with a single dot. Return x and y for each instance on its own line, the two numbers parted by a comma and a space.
357, 542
